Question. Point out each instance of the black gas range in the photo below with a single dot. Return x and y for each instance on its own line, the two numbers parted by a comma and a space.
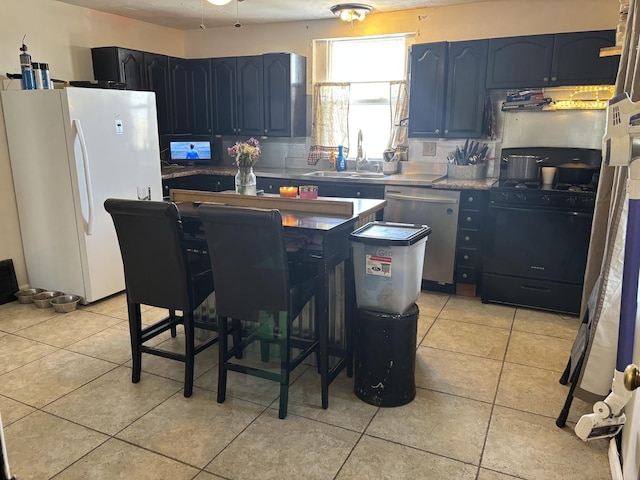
538, 237
534, 193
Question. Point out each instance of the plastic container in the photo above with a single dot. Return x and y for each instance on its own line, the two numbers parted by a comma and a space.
46, 78
37, 73
387, 261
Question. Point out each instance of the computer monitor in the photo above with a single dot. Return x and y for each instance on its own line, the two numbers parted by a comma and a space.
190, 150
187, 149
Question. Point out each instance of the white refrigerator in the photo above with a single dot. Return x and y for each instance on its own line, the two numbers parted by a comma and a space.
71, 149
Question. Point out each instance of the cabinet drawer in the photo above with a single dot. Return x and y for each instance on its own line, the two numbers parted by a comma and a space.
472, 199
467, 275
469, 238
470, 219
467, 257
271, 185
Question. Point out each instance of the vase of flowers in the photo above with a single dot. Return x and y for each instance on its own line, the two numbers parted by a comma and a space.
246, 155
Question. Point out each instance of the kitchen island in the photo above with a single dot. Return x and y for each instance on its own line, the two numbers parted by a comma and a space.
321, 239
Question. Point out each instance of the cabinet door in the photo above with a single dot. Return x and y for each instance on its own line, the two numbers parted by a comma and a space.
516, 62
277, 95
157, 73
224, 93
132, 69
427, 89
191, 100
180, 96
201, 96
271, 185
122, 65
467, 67
577, 61
250, 95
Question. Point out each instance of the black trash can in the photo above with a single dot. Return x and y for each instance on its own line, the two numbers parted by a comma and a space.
385, 357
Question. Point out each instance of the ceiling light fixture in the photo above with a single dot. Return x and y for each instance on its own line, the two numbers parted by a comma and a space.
219, 2
351, 11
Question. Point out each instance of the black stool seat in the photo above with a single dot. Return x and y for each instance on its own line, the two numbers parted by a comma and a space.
161, 272
256, 287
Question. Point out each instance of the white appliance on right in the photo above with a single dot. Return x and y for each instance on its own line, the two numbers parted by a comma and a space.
70, 150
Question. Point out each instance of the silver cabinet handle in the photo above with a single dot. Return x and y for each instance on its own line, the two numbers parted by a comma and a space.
425, 199
437, 130
466, 257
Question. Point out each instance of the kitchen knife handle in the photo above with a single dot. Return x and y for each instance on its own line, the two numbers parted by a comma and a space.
87, 175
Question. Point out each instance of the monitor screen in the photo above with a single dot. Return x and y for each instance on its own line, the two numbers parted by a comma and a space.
190, 150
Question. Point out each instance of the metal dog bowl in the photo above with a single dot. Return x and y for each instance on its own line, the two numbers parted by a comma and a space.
42, 300
65, 303
24, 296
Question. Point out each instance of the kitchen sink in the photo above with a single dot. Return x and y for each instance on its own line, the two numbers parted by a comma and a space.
348, 174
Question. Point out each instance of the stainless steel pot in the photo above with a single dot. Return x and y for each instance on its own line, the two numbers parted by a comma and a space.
576, 172
523, 167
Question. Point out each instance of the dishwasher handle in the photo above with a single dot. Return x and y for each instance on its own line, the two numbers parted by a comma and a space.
421, 198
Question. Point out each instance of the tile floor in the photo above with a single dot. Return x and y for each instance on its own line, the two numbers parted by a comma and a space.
488, 395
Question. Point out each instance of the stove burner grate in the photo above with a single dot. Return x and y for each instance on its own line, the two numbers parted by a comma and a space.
570, 187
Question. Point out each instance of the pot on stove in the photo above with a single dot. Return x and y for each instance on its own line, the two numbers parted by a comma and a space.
576, 172
523, 167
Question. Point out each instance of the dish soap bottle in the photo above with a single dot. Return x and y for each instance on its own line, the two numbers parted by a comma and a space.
332, 160
341, 164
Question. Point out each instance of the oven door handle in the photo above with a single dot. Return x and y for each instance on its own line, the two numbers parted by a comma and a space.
421, 198
572, 213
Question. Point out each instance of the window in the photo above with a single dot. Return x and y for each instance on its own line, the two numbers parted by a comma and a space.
368, 64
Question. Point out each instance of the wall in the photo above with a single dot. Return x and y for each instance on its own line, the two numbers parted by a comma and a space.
61, 35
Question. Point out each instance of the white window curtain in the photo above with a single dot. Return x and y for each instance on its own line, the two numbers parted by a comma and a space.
330, 127
399, 103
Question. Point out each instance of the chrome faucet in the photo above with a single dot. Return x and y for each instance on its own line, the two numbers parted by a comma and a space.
362, 162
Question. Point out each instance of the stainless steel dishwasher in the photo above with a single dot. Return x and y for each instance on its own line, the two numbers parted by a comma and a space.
439, 210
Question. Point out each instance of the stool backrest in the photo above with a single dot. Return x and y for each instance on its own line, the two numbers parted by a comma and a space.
153, 254
248, 260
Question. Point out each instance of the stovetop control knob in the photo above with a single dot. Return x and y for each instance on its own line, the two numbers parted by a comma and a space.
545, 199
571, 201
521, 197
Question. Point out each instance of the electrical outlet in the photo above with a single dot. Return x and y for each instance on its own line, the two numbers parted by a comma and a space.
428, 149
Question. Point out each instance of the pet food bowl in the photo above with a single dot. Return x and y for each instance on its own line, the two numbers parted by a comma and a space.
42, 299
25, 296
65, 303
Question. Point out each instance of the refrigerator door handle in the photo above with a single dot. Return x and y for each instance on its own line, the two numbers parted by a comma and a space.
87, 175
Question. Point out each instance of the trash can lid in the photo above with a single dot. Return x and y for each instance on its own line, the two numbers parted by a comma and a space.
390, 233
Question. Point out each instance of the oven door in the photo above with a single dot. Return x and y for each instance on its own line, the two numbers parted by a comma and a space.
537, 243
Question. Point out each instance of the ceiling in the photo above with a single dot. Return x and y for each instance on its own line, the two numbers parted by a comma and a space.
188, 14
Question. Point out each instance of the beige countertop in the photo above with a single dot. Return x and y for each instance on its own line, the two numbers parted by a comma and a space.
408, 179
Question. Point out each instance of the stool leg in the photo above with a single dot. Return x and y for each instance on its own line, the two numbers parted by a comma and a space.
285, 359
222, 359
189, 339
236, 326
135, 333
172, 315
